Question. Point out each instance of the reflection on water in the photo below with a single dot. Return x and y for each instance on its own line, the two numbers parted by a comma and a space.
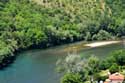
38, 66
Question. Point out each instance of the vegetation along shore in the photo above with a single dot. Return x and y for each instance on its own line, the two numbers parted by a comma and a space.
77, 69
44, 23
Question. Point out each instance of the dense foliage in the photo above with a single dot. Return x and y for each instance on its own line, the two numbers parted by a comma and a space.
91, 69
72, 78
43, 23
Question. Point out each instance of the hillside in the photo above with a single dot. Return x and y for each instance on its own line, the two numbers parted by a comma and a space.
43, 23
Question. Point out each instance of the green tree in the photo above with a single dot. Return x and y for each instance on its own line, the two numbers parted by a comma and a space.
71, 78
114, 68
93, 65
119, 57
103, 35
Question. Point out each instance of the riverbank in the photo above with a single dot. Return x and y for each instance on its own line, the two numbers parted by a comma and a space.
71, 47
101, 43
39, 64
93, 44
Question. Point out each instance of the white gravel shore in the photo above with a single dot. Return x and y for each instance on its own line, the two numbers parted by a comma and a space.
97, 44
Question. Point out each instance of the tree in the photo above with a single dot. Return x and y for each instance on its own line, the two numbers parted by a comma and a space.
114, 68
72, 78
93, 65
102, 35
119, 57
88, 36
104, 64
72, 64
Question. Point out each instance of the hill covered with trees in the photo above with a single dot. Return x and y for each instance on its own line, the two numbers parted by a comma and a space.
44, 23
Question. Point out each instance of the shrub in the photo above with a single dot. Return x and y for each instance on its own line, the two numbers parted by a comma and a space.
103, 35
98, 77
93, 65
71, 78
119, 57
114, 68
103, 65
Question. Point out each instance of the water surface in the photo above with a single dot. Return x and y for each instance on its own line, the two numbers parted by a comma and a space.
38, 66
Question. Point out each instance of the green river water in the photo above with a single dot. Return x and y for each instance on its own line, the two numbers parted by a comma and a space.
38, 66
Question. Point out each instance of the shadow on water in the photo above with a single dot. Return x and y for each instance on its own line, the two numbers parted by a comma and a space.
7, 62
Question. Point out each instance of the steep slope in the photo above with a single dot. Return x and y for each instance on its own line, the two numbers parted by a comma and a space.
44, 23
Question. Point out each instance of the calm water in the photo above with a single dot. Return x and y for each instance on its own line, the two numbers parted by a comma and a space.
38, 66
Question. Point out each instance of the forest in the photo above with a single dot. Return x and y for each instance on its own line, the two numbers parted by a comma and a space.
43, 23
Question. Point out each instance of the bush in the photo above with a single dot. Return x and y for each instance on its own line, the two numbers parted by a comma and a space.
119, 57
102, 35
71, 78
93, 65
88, 36
104, 65
114, 68
98, 77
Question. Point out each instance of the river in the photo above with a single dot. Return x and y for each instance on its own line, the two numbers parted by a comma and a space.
38, 66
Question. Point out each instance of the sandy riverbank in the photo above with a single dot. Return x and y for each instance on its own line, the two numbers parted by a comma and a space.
97, 44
